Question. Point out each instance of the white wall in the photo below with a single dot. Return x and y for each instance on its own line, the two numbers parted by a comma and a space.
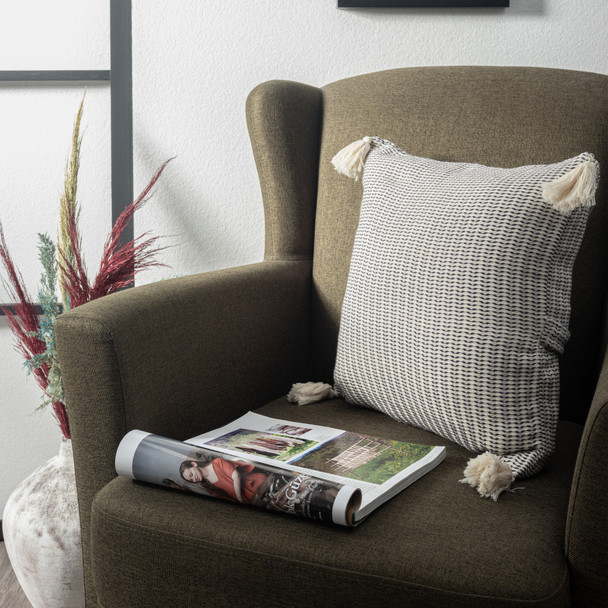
194, 64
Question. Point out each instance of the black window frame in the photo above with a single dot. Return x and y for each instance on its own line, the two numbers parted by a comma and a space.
120, 79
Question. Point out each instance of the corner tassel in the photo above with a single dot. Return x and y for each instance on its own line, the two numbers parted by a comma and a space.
490, 474
305, 393
351, 159
573, 190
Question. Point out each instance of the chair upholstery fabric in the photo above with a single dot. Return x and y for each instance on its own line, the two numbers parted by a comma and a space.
186, 355
392, 557
160, 357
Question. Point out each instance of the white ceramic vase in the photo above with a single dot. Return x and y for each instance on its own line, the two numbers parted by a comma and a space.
42, 534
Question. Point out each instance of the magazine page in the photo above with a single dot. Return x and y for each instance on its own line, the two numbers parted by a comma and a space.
203, 470
379, 467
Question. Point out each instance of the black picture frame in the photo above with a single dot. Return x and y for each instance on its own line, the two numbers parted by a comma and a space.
423, 3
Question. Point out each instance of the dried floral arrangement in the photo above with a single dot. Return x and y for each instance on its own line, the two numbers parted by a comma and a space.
64, 266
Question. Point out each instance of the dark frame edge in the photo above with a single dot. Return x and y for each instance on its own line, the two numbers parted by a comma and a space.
59, 76
121, 68
12, 305
424, 3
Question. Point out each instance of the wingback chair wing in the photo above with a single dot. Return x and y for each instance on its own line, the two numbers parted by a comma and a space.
183, 356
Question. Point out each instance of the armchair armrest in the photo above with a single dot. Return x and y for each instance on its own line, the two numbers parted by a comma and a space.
176, 358
587, 524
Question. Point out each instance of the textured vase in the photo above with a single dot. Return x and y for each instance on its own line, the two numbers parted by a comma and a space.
42, 534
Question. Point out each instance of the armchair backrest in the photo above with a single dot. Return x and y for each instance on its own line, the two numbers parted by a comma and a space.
500, 116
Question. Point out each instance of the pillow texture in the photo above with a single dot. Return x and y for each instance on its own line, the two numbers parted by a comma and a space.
458, 300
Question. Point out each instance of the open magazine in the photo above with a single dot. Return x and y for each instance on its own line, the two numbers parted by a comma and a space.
308, 470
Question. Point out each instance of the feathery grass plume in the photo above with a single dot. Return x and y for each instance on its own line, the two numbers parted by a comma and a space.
74, 278
68, 203
119, 263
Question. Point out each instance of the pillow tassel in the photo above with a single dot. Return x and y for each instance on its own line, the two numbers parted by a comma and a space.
489, 474
574, 189
305, 393
351, 159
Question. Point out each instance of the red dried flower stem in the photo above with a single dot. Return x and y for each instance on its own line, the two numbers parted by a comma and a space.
22, 317
119, 263
74, 279
111, 248
23, 321
62, 418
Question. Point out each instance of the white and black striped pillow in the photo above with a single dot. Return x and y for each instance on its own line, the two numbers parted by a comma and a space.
458, 299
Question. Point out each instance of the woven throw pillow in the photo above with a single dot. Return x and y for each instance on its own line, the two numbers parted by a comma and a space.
458, 300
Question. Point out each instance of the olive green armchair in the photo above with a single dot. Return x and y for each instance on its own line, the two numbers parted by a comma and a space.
186, 355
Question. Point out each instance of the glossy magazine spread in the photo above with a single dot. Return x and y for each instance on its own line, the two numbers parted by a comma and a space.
317, 472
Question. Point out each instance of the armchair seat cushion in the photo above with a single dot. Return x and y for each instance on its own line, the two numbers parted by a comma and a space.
436, 541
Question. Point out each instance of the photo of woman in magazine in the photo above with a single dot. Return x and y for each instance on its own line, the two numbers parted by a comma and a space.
223, 478
243, 482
